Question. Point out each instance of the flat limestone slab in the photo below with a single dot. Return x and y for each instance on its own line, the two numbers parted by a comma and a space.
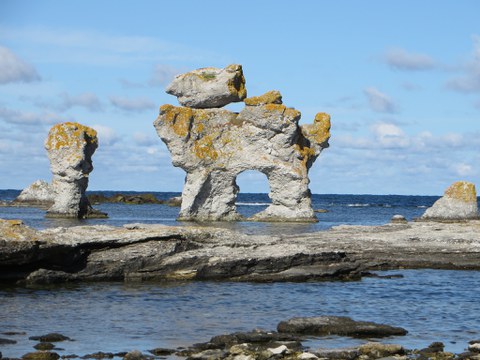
139, 252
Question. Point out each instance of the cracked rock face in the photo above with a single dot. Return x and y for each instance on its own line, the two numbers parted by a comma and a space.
215, 145
459, 202
70, 147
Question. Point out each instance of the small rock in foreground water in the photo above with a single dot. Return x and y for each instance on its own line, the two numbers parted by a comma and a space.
44, 346
41, 355
52, 337
7, 341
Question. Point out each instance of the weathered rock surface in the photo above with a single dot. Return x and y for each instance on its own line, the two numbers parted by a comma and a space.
209, 87
139, 252
40, 194
70, 147
214, 146
338, 325
458, 203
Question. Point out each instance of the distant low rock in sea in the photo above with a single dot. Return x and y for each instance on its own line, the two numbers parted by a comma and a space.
459, 202
39, 194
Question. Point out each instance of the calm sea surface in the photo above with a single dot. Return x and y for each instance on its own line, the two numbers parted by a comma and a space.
432, 305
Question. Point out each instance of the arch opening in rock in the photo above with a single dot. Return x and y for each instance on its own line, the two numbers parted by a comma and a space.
253, 193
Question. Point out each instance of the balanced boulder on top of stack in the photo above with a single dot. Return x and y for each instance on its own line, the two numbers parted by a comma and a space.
459, 202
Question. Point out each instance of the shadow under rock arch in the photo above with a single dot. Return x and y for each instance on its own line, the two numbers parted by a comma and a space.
253, 190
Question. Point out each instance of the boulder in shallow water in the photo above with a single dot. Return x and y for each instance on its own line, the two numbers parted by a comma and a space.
39, 194
337, 325
209, 87
398, 219
41, 355
459, 202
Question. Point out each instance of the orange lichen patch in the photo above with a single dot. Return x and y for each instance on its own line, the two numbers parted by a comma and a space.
275, 108
319, 131
16, 230
292, 113
179, 118
306, 153
200, 121
70, 134
204, 148
236, 86
463, 191
270, 97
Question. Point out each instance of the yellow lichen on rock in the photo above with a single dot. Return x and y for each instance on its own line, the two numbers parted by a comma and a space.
236, 85
270, 97
319, 131
463, 191
305, 152
70, 134
179, 118
16, 230
204, 148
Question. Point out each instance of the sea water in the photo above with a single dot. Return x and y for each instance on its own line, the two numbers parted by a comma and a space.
340, 209
433, 305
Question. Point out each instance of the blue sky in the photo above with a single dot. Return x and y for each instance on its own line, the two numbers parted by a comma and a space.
400, 79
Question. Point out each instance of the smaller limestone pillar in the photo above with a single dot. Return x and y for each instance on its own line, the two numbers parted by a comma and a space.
70, 147
458, 203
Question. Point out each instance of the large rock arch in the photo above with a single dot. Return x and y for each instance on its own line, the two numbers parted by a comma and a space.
214, 145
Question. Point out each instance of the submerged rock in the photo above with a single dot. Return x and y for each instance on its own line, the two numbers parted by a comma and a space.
70, 147
41, 355
40, 194
7, 341
337, 325
459, 202
44, 346
51, 337
209, 87
215, 145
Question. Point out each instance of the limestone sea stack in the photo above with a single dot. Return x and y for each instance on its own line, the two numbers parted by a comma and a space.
70, 147
458, 203
215, 145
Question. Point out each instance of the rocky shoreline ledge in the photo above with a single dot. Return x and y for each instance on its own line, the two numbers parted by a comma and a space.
284, 343
139, 252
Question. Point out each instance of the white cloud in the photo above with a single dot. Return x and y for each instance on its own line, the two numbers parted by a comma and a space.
29, 118
462, 169
163, 74
400, 59
469, 80
143, 139
14, 69
379, 101
98, 48
105, 134
133, 105
390, 135
87, 100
